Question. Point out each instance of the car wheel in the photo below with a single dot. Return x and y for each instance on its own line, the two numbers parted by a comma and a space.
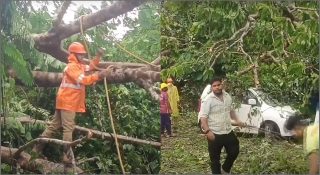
270, 130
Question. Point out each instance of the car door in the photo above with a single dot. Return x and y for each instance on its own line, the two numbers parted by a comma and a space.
254, 118
250, 114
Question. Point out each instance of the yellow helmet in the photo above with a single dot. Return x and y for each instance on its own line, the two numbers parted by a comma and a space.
163, 85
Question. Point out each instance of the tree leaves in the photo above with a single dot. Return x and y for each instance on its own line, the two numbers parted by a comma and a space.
14, 59
283, 46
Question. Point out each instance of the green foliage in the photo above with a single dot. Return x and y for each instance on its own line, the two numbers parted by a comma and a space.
6, 8
134, 111
135, 115
40, 21
14, 133
188, 153
25, 103
17, 44
142, 39
17, 62
198, 35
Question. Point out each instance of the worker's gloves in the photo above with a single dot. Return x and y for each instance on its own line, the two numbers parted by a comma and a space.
106, 72
95, 61
100, 52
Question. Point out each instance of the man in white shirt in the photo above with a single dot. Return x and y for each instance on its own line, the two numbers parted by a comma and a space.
215, 114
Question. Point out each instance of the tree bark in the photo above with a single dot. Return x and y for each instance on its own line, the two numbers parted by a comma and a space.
53, 79
34, 165
97, 134
50, 42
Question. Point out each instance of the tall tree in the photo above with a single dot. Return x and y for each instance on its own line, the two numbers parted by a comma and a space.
272, 45
41, 41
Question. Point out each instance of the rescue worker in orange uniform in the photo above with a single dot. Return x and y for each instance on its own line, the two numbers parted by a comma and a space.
71, 95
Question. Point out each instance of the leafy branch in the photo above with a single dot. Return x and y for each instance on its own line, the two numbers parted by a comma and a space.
221, 46
61, 13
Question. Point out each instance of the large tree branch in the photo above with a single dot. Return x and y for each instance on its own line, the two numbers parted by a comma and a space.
147, 85
61, 13
223, 45
52, 79
163, 53
50, 42
34, 165
49, 140
94, 19
17, 157
124, 65
142, 74
97, 134
17, 154
255, 73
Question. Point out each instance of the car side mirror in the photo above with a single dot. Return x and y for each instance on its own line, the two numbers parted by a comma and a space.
252, 101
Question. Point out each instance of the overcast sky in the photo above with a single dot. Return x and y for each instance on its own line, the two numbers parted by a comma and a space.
69, 15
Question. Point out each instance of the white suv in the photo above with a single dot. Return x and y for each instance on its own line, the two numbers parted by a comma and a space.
260, 112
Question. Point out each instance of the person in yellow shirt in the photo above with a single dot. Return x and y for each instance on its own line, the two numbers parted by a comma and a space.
310, 136
173, 99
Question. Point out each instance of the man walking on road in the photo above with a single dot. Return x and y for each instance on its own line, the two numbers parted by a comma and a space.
215, 114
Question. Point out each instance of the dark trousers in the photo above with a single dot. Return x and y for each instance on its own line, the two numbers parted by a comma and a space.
231, 145
165, 123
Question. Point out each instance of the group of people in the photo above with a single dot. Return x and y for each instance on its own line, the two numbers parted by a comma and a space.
216, 117
215, 113
169, 99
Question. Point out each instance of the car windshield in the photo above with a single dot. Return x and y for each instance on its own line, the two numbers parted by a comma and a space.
266, 98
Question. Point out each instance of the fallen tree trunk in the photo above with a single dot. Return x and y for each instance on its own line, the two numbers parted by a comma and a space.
98, 134
36, 165
51, 42
53, 79
141, 77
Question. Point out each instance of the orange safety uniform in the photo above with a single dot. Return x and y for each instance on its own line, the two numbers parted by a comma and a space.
71, 93
70, 97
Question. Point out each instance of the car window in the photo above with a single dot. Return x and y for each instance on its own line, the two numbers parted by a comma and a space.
267, 99
250, 95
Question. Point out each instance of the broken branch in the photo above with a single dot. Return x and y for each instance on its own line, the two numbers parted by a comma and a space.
96, 133
47, 140
255, 74
61, 13
50, 42
222, 44
163, 53
92, 159
37, 165
245, 70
